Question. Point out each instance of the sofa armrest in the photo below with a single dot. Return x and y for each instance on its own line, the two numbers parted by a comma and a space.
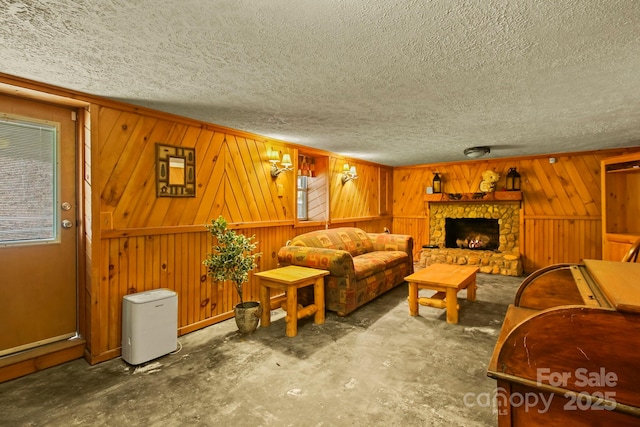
393, 242
337, 262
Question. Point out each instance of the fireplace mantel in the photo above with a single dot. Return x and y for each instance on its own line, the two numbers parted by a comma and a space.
474, 197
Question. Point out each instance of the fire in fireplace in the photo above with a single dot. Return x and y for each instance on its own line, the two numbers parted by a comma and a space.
472, 233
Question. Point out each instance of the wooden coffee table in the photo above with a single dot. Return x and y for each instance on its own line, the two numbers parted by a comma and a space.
289, 279
446, 280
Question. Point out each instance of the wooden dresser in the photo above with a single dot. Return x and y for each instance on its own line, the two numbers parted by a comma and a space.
568, 353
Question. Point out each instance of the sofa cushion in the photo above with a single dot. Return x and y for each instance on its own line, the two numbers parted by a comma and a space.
391, 242
339, 263
350, 239
375, 262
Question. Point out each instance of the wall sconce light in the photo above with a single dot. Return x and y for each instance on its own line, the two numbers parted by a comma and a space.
513, 180
348, 173
274, 159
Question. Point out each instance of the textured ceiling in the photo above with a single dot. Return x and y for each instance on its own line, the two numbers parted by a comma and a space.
397, 82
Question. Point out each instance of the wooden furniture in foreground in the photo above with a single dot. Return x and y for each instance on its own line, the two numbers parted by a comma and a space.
289, 279
446, 280
567, 353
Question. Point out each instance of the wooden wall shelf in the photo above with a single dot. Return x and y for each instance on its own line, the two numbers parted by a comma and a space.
474, 197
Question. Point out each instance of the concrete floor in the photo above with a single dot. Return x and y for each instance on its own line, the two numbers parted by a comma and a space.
376, 367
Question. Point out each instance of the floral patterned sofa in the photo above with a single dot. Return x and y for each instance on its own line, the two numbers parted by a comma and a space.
362, 265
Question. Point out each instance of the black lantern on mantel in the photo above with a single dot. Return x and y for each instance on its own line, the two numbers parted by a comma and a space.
513, 180
437, 183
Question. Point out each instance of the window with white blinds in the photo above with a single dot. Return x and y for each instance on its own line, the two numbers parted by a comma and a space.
28, 181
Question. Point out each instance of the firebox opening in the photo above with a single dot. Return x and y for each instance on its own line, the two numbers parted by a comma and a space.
472, 233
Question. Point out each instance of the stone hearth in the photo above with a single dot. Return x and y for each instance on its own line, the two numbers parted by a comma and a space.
490, 262
505, 260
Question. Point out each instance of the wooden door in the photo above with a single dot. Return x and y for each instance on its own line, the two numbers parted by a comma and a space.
38, 209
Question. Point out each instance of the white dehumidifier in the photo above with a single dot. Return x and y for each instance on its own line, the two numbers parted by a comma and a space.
149, 325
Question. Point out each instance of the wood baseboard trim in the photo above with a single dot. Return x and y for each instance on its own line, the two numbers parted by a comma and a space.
37, 359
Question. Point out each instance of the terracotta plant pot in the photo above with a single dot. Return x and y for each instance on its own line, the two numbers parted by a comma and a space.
247, 316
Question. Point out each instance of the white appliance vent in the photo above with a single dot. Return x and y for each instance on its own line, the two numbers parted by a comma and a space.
149, 325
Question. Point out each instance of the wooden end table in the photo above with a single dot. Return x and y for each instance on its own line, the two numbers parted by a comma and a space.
289, 279
446, 280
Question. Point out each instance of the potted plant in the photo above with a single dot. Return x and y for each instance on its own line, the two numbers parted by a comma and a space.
232, 259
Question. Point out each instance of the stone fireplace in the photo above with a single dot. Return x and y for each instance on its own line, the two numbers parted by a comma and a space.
483, 233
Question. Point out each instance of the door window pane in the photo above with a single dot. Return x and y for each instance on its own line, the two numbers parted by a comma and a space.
27, 181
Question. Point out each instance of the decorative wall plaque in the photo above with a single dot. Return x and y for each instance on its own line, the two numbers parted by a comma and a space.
175, 171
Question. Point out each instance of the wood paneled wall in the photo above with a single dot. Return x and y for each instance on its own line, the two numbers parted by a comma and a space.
146, 242
357, 198
561, 202
232, 175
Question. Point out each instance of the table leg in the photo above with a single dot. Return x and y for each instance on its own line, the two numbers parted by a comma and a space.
265, 317
413, 299
471, 289
291, 320
318, 300
452, 305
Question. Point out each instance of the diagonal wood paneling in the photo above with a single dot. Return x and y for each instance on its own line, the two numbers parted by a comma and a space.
232, 175
357, 198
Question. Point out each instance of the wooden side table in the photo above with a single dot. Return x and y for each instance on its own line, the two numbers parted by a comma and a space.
446, 280
289, 279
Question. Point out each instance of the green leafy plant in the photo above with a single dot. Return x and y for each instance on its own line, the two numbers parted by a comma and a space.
232, 256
